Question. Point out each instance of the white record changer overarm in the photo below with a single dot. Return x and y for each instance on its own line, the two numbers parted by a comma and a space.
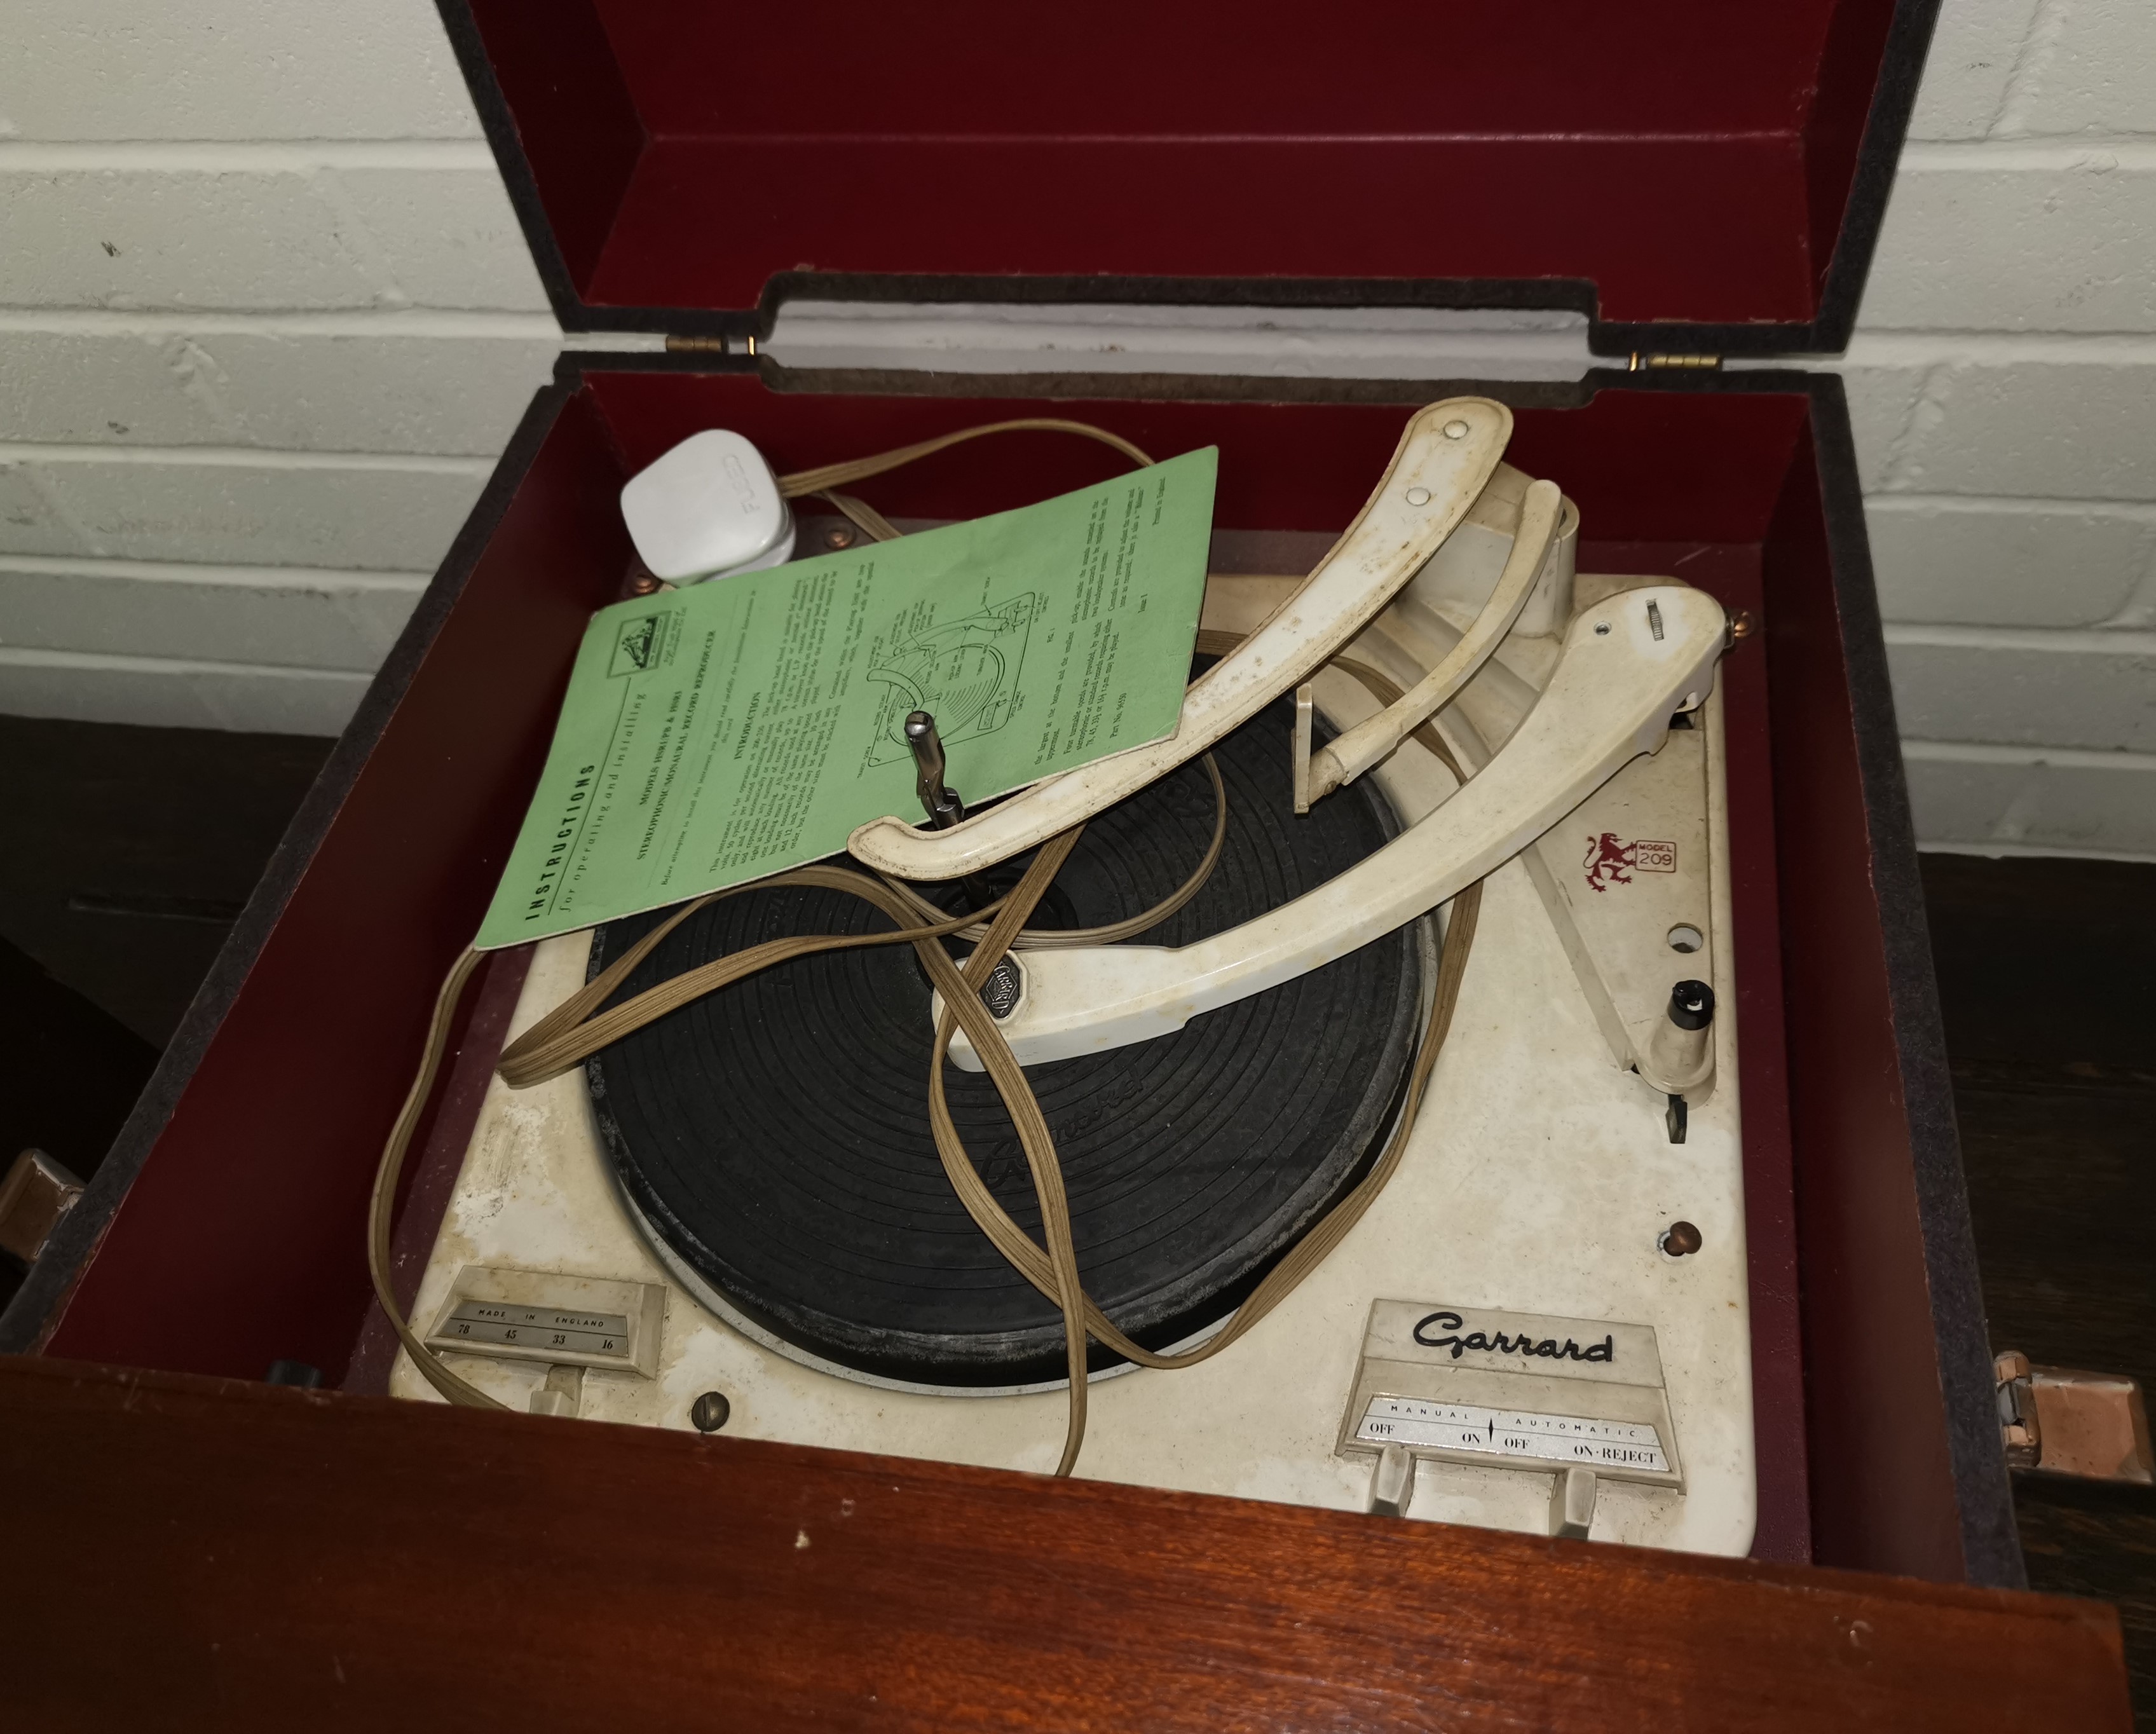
1446, 459
1629, 663
1377, 738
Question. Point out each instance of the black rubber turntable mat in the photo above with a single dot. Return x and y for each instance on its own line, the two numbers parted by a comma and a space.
775, 1135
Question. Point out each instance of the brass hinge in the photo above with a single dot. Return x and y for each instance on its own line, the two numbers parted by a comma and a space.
1640, 362
710, 345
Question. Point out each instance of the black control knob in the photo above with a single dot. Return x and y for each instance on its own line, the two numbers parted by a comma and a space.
1691, 1005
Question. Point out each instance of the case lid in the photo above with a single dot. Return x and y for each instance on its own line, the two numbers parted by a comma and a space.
1695, 175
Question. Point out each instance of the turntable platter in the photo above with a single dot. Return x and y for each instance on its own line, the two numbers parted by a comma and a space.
773, 1137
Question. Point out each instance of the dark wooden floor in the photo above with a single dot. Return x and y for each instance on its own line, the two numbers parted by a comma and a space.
134, 850
2047, 980
136, 847
140, 845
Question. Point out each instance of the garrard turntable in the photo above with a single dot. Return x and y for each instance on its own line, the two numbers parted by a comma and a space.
1346, 1085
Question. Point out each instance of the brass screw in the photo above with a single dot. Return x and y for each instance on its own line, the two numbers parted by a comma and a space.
1741, 624
838, 535
710, 1412
1680, 1239
642, 584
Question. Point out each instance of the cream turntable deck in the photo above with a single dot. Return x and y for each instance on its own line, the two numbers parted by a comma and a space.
1542, 1324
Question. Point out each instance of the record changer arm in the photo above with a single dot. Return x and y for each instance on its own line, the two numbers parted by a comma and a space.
1629, 663
1445, 459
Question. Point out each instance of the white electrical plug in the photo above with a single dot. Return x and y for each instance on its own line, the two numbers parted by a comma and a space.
710, 508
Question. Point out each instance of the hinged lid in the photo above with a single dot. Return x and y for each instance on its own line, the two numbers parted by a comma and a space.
1699, 177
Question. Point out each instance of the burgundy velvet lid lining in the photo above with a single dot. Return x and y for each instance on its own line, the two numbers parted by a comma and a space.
1689, 160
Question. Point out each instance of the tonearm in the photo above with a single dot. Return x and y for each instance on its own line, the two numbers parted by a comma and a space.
1628, 664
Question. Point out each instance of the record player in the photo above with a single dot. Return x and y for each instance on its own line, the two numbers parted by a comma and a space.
1727, 1272
756, 1169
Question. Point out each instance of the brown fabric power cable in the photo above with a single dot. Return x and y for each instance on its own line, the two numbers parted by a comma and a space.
1055, 1275
568, 1035
576, 1029
571, 1033
1065, 939
430, 1365
855, 470
825, 481
871, 523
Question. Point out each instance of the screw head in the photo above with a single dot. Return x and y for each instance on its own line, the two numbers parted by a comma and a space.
838, 535
1743, 623
1456, 430
1680, 1239
642, 584
708, 1414
1602, 628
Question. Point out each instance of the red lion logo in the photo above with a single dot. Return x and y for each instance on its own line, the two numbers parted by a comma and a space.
1609, 862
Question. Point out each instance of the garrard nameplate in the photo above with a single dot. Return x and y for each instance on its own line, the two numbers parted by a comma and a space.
1469, 1384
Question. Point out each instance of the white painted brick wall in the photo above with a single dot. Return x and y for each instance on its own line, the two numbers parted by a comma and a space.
265, 319
2013, 561
448, 384
2054, 801
2003, 388
258, 615
1978, 413
2025, 687
167, 692
214, 70
2079, 218
374, 511
262, 228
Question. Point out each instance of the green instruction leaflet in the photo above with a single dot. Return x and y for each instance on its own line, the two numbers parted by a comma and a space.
718, 733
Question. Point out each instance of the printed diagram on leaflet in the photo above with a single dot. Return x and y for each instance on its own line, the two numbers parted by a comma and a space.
965, 672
